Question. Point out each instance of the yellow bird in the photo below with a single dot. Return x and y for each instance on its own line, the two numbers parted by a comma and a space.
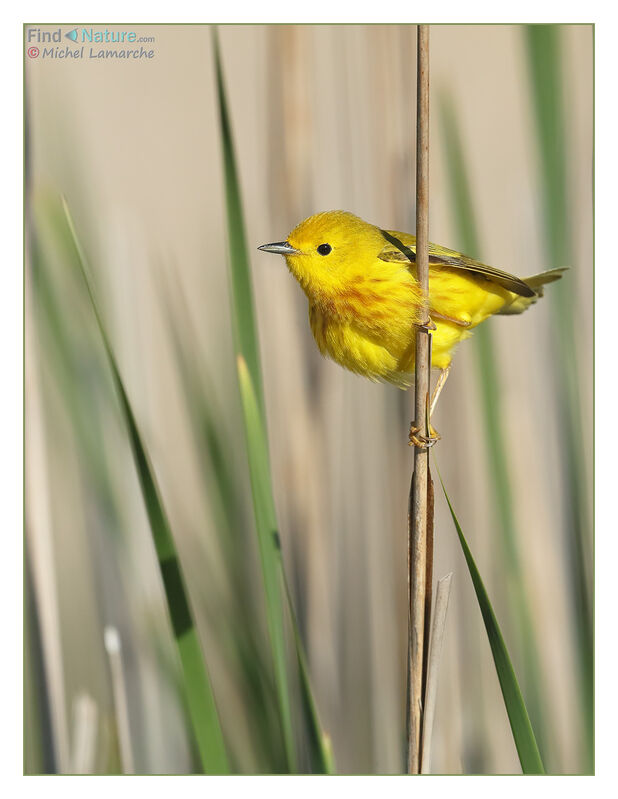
365, 301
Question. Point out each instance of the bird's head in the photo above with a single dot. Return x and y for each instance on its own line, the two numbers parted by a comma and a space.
329, 250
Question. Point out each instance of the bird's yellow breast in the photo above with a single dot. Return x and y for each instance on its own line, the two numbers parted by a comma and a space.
359, 350
365, 324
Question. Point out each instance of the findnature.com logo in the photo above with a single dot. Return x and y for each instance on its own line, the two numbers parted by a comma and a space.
50, 41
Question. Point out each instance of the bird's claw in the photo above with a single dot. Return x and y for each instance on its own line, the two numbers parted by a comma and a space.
428, 327
422, 441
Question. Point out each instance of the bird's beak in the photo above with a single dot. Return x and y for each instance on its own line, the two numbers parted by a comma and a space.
280, 248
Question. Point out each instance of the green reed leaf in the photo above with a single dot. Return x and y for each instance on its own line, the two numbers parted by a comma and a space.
523, 734
200, 698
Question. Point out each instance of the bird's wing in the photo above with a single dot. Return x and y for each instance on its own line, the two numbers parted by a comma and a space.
402, 247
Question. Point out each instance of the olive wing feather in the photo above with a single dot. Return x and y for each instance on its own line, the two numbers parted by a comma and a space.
402, 247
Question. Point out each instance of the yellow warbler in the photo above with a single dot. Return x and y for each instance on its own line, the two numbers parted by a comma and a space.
365, 300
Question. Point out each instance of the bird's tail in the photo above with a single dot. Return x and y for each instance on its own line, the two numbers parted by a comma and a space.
536, 282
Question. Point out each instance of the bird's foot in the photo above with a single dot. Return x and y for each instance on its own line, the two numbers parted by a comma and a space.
428, 327
422, 441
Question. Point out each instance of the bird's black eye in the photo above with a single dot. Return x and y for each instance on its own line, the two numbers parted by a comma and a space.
324, 249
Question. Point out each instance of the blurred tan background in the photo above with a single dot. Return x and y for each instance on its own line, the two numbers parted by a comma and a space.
323, 118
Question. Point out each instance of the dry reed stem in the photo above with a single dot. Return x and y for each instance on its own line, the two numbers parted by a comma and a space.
434, 649
113, 647
420, 488
84, 734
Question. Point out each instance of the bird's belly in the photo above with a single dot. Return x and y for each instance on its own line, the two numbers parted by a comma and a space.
359, 352
381, 358
445, 338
